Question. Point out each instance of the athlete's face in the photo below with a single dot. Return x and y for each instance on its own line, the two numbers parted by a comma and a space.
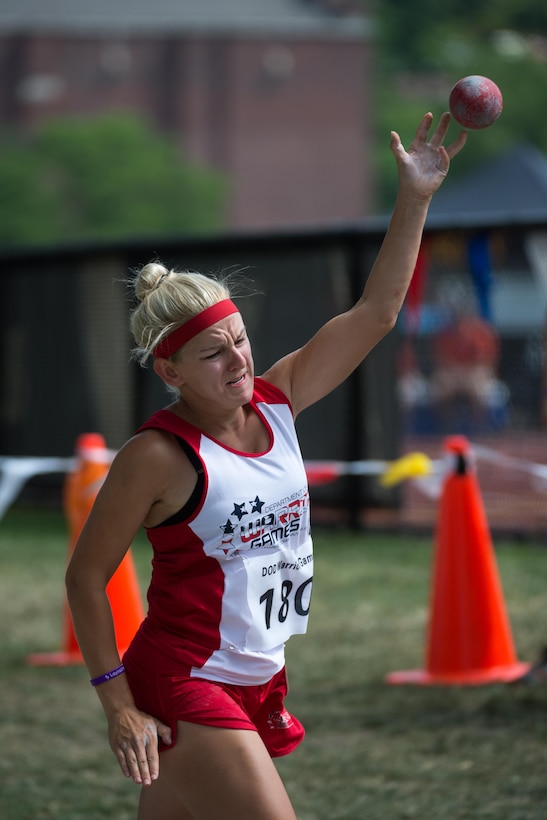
217, 364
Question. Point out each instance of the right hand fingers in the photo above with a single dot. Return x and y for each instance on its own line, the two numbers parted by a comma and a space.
137, 753
138, 758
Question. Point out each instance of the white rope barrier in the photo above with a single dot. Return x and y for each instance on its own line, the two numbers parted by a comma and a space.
15, 472
536, 471
427, 474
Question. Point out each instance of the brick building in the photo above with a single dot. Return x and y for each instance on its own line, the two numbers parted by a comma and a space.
273, 93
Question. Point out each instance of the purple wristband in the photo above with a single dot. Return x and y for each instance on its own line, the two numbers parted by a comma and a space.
108, 676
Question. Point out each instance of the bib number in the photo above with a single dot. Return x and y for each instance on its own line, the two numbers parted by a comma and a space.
300, 600
278, 597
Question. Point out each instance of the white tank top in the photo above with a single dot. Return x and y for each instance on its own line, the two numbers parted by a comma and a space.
231, 584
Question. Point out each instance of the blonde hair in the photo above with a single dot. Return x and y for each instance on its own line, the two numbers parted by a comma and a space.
167, 299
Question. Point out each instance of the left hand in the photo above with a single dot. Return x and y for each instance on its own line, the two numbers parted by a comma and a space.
424, 167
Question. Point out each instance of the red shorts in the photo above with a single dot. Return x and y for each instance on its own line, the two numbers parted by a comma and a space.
255, 708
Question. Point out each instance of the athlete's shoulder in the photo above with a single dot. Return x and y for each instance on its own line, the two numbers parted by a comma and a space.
170, 422
265, 391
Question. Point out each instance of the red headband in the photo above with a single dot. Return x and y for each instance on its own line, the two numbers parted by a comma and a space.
193, 326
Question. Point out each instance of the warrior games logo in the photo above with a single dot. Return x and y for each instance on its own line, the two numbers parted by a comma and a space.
253, 525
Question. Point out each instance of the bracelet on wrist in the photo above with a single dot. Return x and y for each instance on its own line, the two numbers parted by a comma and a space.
108, 676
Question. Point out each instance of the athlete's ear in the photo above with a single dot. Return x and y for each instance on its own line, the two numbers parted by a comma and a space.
165, 369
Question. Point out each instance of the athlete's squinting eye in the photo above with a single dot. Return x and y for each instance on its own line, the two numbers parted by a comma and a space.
241, 340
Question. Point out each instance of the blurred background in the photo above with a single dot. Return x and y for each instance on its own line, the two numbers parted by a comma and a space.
254, 135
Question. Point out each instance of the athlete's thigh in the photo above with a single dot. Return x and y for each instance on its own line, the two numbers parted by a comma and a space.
161, 802
221, 773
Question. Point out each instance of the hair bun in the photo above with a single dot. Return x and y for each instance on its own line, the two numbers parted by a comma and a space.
148, 279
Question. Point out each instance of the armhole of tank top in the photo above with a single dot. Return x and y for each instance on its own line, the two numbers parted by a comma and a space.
195, 498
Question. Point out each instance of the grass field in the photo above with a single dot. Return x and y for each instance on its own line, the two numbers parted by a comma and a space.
372, 750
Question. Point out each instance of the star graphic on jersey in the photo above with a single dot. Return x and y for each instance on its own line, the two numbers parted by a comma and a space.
239, 511
257, 505
227, 528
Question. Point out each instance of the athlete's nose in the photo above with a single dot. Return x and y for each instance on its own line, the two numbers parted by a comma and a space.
237, 359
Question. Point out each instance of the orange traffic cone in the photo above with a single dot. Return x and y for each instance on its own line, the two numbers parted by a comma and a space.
469, 640
80, 490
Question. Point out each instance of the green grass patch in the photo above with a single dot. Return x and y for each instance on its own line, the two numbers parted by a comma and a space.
372, 751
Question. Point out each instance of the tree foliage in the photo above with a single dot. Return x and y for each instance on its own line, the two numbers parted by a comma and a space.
102, 178
413, 35
425, 47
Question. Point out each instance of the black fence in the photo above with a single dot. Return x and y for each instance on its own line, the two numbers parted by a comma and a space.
66, 344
